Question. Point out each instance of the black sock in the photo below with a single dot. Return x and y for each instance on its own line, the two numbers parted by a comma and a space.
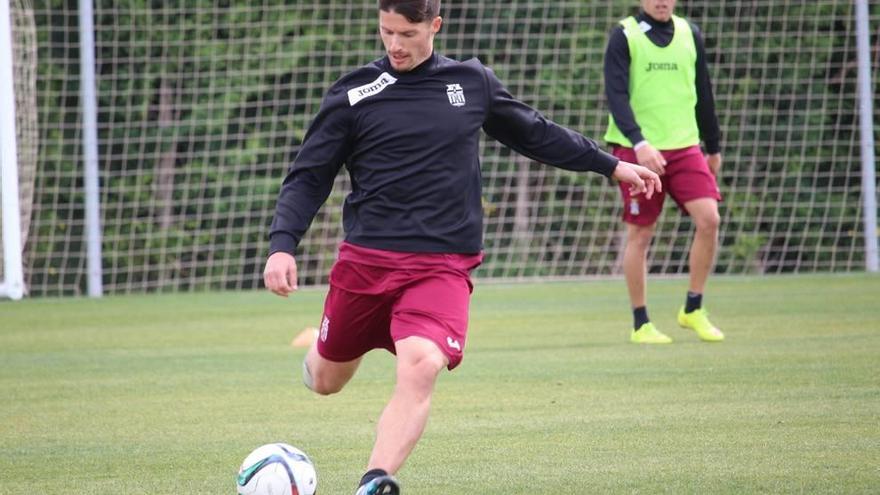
640, 317
694, 302
372, 473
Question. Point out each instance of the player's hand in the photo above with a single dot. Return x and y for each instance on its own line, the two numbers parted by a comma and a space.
280, 273
640, 179
648, 156
714, 161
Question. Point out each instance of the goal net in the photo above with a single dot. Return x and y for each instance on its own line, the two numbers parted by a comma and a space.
203, 105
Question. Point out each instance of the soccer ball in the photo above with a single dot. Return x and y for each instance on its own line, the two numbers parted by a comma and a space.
277, 469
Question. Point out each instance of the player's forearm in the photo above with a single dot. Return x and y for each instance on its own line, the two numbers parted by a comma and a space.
710, 131
566, 149
532, 135
301, 196
707, 120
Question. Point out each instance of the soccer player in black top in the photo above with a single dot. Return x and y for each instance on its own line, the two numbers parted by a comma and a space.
407, 129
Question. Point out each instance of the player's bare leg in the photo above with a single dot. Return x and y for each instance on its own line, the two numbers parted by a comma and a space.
704, 212
635, 262
326, 377
635, 269
419, 362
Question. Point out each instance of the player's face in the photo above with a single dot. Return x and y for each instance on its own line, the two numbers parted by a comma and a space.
660, 10
408, 44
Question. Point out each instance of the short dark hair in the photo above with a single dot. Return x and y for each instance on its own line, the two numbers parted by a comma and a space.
413, 10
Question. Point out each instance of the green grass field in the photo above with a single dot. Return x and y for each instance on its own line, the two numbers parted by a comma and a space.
166, 394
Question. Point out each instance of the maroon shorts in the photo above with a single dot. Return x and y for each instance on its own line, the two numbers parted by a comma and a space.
378, 297
687, 178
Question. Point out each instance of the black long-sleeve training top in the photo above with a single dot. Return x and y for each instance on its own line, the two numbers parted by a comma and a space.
410, 142
617, 61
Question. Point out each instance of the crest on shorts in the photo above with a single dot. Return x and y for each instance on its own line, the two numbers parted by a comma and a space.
633, 206
455, 94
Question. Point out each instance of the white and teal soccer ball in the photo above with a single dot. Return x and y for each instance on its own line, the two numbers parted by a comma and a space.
277, 469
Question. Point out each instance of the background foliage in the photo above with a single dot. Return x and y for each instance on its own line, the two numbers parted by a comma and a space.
203, 106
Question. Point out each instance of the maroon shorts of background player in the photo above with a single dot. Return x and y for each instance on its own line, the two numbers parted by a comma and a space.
378, 297
687, 178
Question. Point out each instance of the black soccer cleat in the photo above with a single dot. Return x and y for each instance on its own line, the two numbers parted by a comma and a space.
382, 485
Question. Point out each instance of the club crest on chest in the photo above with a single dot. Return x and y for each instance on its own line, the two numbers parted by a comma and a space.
455, 94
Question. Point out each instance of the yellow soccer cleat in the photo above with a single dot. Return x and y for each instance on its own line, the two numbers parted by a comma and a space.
648, 334
698, 321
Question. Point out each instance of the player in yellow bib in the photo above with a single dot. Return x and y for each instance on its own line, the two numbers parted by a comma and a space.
661, 108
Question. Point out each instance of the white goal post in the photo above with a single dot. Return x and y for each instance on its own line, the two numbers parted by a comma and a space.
12, 283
